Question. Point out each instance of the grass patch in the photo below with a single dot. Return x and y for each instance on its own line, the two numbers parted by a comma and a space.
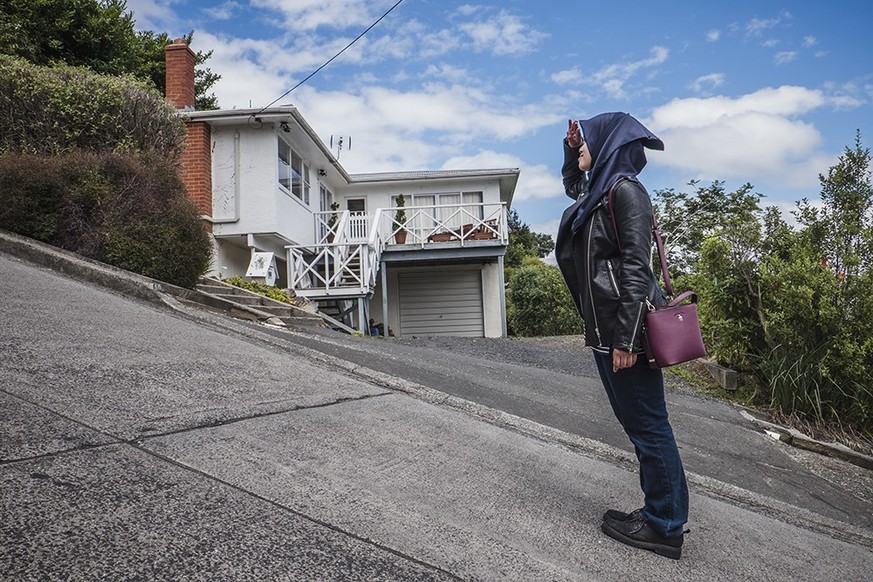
262, 289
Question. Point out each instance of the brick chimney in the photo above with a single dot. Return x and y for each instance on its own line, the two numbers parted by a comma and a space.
196, 162
180, 74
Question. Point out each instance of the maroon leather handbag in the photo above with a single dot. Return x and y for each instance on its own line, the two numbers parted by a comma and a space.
671, 332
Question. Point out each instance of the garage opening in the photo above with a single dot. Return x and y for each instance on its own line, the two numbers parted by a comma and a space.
441, 303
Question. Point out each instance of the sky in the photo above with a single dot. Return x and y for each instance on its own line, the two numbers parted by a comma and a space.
760, 92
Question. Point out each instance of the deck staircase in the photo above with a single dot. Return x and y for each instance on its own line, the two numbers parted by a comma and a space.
302, 313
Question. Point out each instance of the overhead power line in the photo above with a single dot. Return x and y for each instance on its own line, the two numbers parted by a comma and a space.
330, 60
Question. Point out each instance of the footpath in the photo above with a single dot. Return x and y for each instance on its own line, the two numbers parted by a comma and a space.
142, 438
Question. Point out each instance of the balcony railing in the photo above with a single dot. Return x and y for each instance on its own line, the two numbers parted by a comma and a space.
344, 262
462, 223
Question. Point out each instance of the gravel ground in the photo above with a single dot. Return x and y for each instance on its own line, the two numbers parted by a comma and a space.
566, 354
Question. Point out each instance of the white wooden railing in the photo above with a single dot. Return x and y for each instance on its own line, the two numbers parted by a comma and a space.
344, 262
461, 223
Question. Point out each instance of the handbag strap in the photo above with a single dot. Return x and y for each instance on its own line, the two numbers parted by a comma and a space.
656, 232
665, 271
682, 297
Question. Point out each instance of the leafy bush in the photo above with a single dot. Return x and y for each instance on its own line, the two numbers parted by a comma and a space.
538, 302
261, 289
50, 110
129, 210
792, 306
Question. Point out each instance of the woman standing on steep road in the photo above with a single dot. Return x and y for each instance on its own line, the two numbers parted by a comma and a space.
604, 252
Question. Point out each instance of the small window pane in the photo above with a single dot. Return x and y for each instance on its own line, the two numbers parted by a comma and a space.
284, 162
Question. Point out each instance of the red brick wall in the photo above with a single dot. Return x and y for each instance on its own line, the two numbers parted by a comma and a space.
196, 169
180, 74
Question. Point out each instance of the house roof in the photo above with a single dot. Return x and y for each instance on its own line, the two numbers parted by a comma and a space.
508, 177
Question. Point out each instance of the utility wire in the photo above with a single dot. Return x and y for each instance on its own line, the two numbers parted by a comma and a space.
313, 73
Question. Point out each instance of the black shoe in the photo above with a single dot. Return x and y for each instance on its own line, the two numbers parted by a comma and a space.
616, 515
639, 534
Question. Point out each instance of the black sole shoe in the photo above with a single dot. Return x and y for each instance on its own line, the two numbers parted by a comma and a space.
638, 533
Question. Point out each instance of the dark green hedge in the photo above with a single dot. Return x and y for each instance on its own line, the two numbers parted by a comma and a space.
129, 210
49, 110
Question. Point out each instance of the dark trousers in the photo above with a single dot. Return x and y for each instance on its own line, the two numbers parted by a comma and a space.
637, 398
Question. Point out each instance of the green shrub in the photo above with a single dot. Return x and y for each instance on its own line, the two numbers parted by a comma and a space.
793, 306
261, 289
49, 110
129, 210
538, 302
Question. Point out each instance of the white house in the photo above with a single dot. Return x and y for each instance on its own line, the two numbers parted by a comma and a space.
265, 182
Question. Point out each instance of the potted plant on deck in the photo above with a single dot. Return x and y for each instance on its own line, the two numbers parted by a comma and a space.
331, 222
400, 220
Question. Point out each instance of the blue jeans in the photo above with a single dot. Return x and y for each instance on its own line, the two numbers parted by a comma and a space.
637, 398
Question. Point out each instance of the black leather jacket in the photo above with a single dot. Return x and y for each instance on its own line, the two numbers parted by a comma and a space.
610, 285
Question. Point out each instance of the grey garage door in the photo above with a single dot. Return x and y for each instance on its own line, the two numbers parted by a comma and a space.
441, 303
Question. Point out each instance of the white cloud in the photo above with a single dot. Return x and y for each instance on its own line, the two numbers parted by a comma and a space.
809, 41
504, 34
613, 77
468, 9
756, 137
303, 15
419, 129
534, 182
706, 82
785, 57
713, 35
568, 77
757, 26
151, 14
224, 11
447, 72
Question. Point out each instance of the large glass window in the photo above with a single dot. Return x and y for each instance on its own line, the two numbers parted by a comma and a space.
293, 172
449, 204
452, 210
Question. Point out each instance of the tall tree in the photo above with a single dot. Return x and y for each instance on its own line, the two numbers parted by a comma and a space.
97, 34
523, 242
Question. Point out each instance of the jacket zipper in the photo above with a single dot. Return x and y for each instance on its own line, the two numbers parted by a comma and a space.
637, 324
612, 278
590, 279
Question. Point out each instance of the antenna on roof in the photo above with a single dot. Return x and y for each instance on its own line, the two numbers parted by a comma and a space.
339, 140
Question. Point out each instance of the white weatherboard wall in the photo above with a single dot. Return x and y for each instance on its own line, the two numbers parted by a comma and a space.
264, 207
493, 294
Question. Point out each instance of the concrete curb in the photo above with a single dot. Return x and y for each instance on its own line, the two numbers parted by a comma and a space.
797, 439
126, 282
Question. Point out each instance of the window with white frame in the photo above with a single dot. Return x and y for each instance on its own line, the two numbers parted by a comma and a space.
448, 209
293, 172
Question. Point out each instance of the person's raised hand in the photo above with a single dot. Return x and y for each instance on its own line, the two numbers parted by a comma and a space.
574, 134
